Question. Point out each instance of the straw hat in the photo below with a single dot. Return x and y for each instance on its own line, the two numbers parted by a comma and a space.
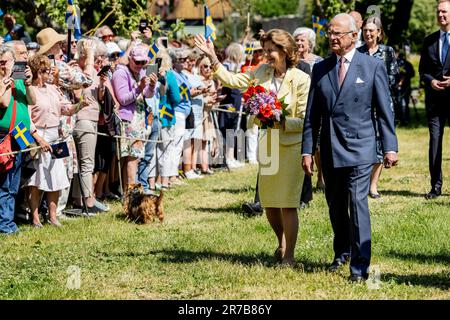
47, 38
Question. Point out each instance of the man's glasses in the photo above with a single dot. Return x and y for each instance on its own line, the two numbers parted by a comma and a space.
108, 37
140, 63
337, 35
181, 60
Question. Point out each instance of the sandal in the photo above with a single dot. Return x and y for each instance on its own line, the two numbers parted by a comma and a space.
278, 254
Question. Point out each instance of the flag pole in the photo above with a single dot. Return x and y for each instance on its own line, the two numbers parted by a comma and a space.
69, 43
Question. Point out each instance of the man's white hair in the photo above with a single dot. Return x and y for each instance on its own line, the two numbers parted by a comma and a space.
351, 20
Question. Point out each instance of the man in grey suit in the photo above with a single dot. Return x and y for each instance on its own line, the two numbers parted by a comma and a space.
348, 94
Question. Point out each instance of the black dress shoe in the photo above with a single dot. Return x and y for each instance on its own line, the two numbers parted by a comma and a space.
432, 194
337, 263
252, 209
356, 278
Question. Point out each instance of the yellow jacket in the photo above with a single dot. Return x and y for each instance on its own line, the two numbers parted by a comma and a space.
294, 90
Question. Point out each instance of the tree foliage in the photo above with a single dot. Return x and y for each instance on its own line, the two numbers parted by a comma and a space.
121, 15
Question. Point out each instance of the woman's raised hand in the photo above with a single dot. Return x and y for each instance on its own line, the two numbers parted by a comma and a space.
205, 45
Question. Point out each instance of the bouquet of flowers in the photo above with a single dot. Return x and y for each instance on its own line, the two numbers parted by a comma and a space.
264, 105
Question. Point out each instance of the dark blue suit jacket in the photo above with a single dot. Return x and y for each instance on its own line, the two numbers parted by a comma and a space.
347, 116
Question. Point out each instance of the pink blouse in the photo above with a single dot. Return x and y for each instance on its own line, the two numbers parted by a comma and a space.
50, 105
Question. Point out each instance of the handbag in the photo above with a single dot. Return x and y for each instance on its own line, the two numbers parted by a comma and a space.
190, 120
7, 161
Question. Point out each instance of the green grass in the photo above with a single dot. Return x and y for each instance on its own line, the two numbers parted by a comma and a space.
207, 250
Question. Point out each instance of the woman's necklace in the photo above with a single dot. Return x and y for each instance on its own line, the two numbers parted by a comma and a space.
274, 82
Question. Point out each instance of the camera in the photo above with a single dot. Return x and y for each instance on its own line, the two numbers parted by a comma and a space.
143, 24
18, 71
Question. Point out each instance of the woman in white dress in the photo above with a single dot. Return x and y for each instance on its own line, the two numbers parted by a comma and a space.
50, 175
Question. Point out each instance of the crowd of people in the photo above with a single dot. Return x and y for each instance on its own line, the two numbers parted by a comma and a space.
178, 113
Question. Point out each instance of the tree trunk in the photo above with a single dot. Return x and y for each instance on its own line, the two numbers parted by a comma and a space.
400, 22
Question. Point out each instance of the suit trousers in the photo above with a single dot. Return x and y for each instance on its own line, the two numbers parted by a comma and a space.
346, 191
436, 123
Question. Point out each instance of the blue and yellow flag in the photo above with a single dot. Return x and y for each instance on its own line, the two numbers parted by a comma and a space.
319, 24
184, 92
249, 48
71, 12
153, 51
22, 135
210, 29
164, 113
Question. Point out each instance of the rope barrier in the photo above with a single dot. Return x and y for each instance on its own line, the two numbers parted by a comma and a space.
106, 135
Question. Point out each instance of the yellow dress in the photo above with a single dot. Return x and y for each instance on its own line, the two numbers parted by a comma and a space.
279, 149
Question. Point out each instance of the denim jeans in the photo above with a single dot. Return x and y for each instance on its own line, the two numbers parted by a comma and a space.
144, 165
9, 186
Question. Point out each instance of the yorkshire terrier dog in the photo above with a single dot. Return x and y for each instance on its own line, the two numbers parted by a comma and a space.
143, 208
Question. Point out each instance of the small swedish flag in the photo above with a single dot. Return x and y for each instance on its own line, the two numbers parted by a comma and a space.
22, 135
153, 51
164, 114
319, 24
210, 29
249, 48
184, 92
71, 11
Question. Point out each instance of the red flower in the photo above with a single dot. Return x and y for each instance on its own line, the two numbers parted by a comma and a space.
249, 93
259, 89
277, 104
266, 111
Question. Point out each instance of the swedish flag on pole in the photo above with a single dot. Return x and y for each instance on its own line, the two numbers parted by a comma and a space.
73, 19
22, 135
184, 92
249, 48
210, 29
153, 51
318, 25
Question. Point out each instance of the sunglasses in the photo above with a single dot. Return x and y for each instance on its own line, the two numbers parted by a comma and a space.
181, 60
46, 70
140, 63
108, 37
114, 56
3, 62
206, 66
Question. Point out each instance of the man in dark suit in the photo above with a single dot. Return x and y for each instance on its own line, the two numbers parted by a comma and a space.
347, 90
434, 69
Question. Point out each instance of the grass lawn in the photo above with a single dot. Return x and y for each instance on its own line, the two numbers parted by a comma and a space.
207, 250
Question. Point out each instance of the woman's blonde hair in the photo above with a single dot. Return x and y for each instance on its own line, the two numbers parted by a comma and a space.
286, 42
201, 61
37, 62
166, 61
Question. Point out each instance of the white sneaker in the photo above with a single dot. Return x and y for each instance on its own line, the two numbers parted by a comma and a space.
233, 164
192, 175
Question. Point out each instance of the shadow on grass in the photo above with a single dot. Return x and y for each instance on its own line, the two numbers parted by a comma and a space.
232, 208
403, 193
187, 256
438, 280
441, 258
234, 190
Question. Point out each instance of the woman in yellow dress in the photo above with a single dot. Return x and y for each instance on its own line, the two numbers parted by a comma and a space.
280, 173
